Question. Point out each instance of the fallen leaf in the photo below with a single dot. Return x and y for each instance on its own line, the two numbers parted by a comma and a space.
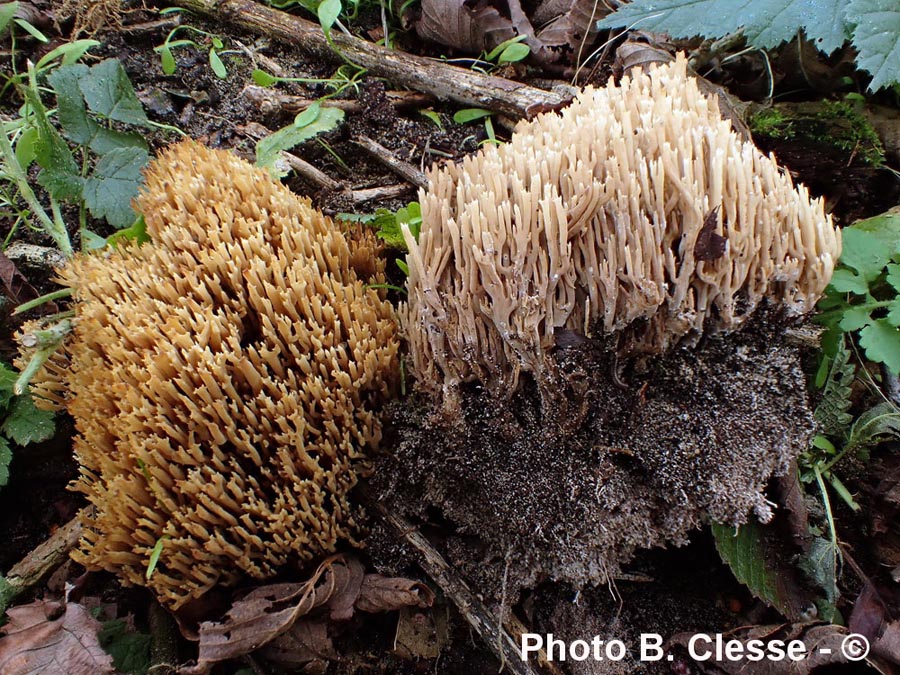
48, 638
15, 285
384, 594
278, 616
574, 27
710, 244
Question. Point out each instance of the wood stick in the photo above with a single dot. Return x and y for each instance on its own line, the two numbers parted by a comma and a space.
441, 80
403, 169
272, 100
40, 563
455, 588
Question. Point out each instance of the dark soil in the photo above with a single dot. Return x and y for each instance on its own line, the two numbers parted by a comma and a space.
540, 551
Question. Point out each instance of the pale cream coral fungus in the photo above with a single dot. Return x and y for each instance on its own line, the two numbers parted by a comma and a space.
224, 379
593, 219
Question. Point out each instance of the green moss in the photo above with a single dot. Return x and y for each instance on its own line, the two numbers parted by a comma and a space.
771, 123
835, 123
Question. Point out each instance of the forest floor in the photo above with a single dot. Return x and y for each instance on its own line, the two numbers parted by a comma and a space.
675, 591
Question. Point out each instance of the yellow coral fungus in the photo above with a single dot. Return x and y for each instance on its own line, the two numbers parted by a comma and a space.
224, 379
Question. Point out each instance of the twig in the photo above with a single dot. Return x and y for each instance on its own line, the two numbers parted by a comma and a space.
271, 100
443, 81
41, 562
382, 154
455, 588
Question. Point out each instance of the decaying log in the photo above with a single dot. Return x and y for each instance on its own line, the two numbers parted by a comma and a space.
441, 80
271, 100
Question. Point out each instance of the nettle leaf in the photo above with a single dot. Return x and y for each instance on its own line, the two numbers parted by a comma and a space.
59, 172
108, 92
115, 181
881, 341
5, 460
876, 37
27, 424
77, 125
766, 23
269, 148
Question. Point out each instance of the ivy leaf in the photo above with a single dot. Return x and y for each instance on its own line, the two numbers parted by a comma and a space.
881, 341
26, 424
269, 148
766, 23
108, 92
5, 459
876, 37
115, 181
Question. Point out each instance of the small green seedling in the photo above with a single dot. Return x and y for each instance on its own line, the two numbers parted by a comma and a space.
214, 50
468, 115
508, 51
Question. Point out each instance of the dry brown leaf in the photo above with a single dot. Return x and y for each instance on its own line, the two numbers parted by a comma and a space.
44, 638
575, 27
468, 26
277, 616
384, 594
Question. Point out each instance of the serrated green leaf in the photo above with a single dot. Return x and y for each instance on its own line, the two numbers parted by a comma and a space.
820, 565
832, 413
848, 281
855, 318
108, 92
215, 62
876, 37
59, 173
893, 315
885, 227
115, 181
5, 460
26, 424
881, 341
7, 381
130, 651
70, 108
743, 552
893, 276
766, 23
269, 148
864, 252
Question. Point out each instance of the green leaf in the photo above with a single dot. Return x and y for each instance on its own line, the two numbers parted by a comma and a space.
31, 30
832, 413
154, 556
130, 651
5, 460
328, 11
467, 115
855, 318
864, 252
848, 281
59, 174
744, 553
108, 92
881, 341
513, 53
215, 62
7, 12
115, 181
71, 112
893, 315
434, 117
893, 276
167, 60
886, 227
503, 46
876, 38
137, 233
389, 224
70, 52
820, 565
269, 148
766, 23
8, 379
877, 424
25, 147
26, 424
308, 116
262, 78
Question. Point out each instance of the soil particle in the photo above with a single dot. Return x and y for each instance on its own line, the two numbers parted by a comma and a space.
567, 488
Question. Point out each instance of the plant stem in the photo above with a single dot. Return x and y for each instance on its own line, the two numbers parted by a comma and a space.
55, 228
